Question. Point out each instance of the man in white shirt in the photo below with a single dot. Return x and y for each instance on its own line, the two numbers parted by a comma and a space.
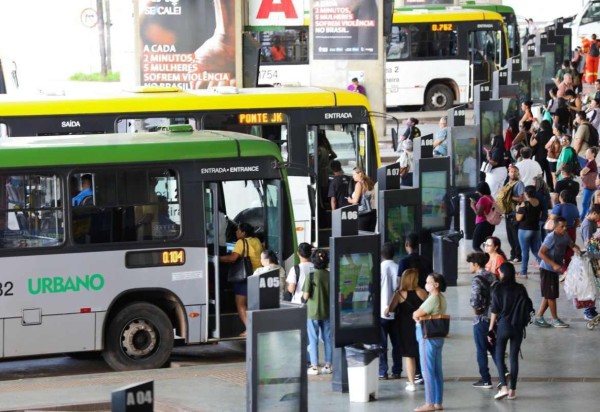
295, 283
389, 284
528, 168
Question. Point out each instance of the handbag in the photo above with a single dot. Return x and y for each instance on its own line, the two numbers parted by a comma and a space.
486, 167
241, 268
435, 326
364, 206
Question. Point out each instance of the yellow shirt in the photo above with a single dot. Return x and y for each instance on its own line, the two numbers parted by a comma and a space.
253, 252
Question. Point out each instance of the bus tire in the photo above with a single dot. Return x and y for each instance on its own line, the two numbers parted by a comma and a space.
140, 336
439, 97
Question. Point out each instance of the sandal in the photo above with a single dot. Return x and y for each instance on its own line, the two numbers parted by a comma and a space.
512, 395
425, 408
522, 275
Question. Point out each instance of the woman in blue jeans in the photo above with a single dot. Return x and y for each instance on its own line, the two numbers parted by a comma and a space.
528, 216
430, 350
316, 295
588, 174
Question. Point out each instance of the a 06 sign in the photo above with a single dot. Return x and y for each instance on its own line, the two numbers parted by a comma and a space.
276, 12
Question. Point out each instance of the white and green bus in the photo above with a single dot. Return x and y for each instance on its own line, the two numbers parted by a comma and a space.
132, 264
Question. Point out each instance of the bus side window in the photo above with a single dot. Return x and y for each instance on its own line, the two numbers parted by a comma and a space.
131, 205
31, 212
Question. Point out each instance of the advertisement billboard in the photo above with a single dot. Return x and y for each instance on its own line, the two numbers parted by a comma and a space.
189, 44
345, 29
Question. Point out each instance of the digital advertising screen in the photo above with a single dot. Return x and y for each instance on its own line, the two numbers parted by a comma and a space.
510, 103
279, 383
537, 67
465, 163
399, 222
276, 359
523, 81
356, 290
491, 125
549, 65
433, 202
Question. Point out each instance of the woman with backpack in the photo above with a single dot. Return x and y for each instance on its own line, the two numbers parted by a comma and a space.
528, 216
482, 208
507, 299
495, 156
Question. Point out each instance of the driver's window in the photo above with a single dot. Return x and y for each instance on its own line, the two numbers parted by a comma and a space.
592, 14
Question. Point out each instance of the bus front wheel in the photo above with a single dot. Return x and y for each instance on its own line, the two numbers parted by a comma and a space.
439, 97
140, 336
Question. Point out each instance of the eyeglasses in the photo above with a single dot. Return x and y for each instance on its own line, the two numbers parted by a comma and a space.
487, 244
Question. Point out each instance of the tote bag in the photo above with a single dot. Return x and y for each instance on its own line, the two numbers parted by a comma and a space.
435, 326
364, 206
241, 268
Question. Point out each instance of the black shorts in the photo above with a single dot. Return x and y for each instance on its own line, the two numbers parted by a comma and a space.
549, 284
552, 166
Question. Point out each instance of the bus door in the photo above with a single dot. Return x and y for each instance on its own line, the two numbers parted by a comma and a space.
485, 53
345, 143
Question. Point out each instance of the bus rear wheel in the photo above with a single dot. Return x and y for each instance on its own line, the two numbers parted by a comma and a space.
140, 336
439, 97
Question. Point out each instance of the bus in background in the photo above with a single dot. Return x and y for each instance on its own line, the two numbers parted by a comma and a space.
434, 58
283, 54
507, 13
293, 118
111, 242
587, 22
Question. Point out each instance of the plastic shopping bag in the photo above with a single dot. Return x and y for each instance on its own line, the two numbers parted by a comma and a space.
579, 283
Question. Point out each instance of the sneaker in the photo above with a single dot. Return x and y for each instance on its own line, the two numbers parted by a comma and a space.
589, 316
483, 384
562, 277
313, 370
418, 379
557, 323
516, 260
395, 376
326, 370
383, 377
541, 322
501, 394
410, 387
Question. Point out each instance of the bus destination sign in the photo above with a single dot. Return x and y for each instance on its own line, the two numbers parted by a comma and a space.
261, 118
155, 258
442, 27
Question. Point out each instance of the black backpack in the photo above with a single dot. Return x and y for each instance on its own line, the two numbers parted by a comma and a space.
486, 292
593, 139
575, 166
523, 313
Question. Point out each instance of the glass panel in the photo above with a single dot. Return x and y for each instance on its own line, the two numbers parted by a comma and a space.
151, 124
31, 213
344, 143
244, 202
273, 221
433, 42
3, 130
125, 206
286, 46
397, 47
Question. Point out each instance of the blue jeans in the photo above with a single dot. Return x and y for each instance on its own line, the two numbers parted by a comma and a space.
389, 327
480, 331
582, 161
312, 327
585, 202
430, 351
529, 240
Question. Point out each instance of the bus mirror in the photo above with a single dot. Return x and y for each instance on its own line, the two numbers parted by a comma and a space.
395, 139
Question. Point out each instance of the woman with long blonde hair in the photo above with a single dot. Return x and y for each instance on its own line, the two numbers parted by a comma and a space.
364, 187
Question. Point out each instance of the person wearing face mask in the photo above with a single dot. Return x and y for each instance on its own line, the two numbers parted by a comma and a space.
430, 349
412, 130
